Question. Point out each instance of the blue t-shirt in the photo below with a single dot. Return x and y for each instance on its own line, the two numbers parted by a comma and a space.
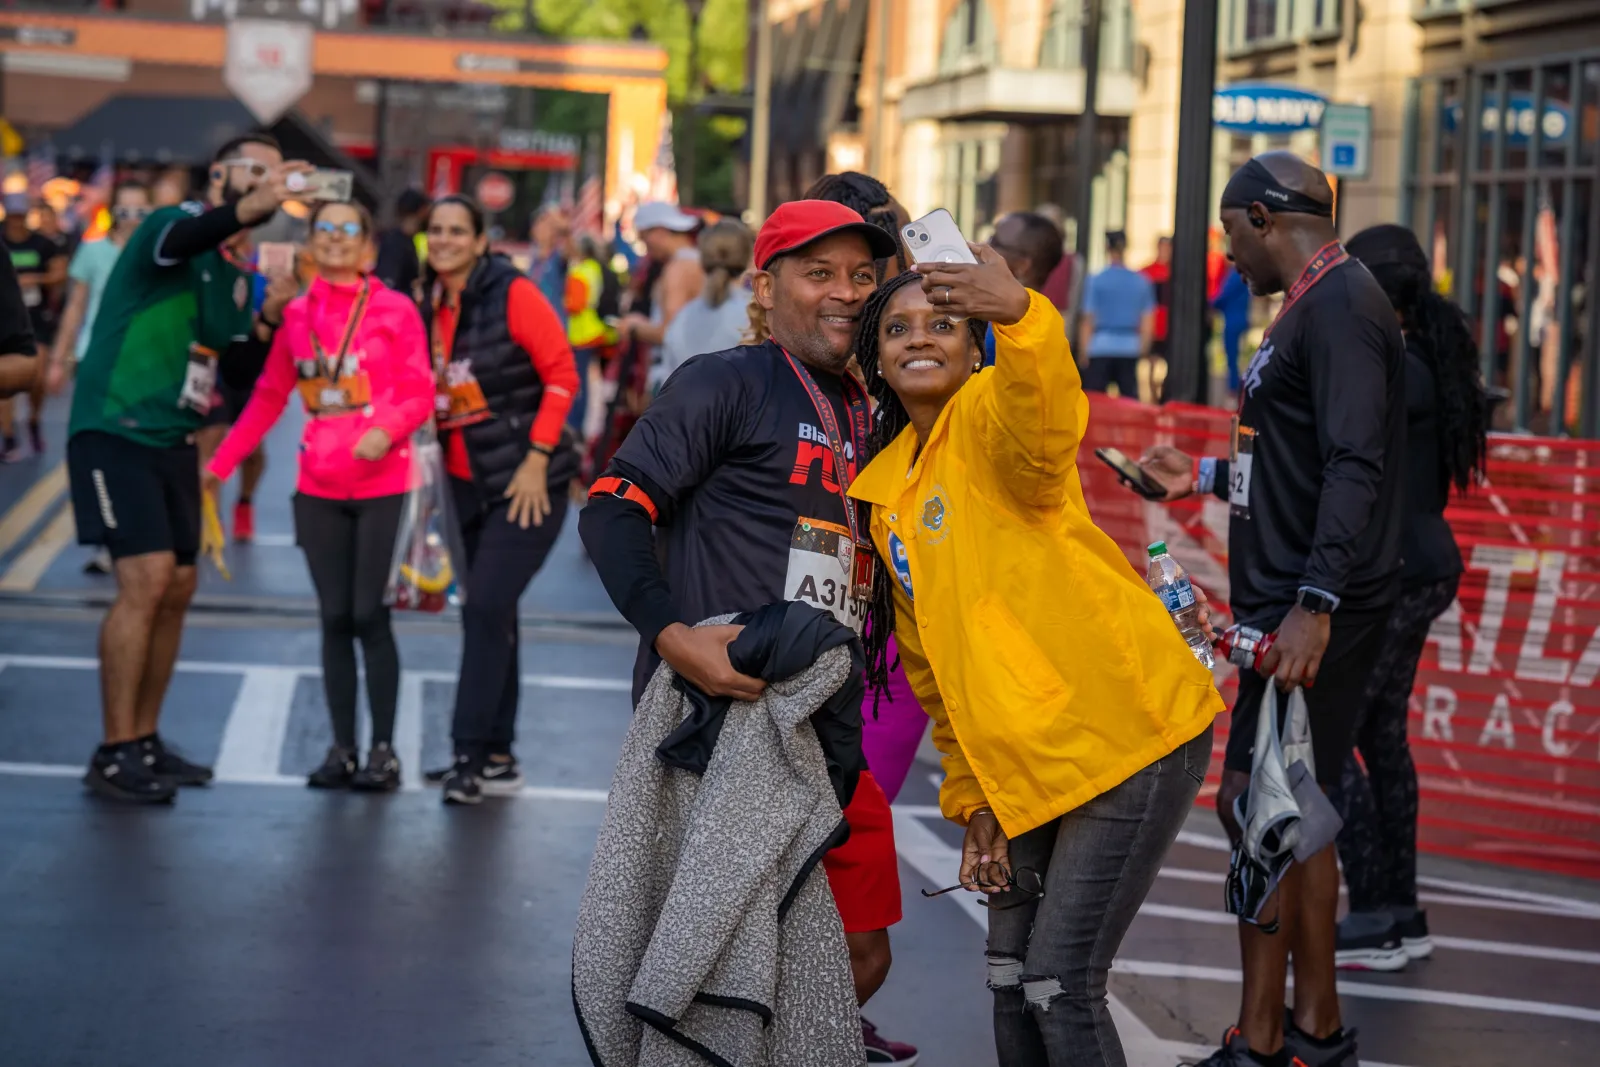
91, 266
1118, 298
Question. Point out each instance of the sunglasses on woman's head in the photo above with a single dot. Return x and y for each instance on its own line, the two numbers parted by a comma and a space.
349, 229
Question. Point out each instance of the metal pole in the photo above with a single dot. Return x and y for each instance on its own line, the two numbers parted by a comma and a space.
380, 128
1088, 131
1188, 374
761, 117
686, 152
880, 149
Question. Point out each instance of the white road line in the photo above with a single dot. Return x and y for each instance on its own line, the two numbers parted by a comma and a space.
1154, 969
544, 681
252, 741
42, 770
408, 731
1188, 874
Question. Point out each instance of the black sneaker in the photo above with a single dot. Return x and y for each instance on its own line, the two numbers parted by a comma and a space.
461, 785
1369, 941
1307, 1051
338, 769
437, 775
500, 779
1414, 935
119, 773
168, 764
1235, 1052
382, 772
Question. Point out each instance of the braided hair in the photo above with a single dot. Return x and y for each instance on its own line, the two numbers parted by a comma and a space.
889, 422
870, 199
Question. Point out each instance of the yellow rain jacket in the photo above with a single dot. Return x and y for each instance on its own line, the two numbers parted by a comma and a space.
1051, 671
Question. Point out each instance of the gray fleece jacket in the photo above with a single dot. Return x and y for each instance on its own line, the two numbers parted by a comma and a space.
707, 935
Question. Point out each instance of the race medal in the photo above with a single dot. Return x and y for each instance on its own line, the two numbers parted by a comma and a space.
199, 380
824, 564
1240, 455
862, 573
462, 402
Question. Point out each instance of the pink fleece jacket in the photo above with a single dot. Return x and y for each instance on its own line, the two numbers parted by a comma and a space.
390, 347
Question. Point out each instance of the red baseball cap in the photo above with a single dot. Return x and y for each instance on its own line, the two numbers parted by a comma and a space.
801, 222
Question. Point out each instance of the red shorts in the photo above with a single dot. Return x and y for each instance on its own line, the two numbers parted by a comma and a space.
864, 872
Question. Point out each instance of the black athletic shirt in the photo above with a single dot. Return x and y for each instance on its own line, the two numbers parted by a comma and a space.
1428, 550
1325, 394
732, 456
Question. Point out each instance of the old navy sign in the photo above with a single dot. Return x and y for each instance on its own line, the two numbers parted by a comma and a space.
1262, 107
1518, 119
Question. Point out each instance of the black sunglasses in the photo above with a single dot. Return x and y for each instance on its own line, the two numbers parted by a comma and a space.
1024, 880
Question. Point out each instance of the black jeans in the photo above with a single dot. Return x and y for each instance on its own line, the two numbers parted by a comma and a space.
349, 545
1103, 370
1049, 957
1378, 845
502, 559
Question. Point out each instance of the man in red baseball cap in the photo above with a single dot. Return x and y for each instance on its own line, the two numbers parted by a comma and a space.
737, 476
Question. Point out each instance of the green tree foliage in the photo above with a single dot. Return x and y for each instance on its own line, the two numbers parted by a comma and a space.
724, 31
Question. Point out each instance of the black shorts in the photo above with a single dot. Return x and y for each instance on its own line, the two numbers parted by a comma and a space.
135, 499
228, 407
1334, 703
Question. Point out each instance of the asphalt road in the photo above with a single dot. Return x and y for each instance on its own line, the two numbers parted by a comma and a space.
260, 923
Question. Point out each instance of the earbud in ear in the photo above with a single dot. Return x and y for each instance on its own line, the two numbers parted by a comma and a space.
1258, 222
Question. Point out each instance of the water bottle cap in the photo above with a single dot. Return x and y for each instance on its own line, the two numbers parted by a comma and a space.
1159, 548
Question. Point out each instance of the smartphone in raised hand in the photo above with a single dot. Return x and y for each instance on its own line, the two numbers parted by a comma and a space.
324, 183
1131, 474
935, 238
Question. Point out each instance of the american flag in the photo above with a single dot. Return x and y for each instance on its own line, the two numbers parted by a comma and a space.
664, 171
41, 167
589, 215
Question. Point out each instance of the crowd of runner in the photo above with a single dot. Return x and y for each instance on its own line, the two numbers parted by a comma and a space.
824, 423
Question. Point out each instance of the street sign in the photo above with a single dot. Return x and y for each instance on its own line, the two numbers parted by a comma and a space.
1347, 141
495, 192
1266, 107
268, 65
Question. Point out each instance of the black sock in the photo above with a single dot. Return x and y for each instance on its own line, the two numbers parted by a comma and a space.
1330, 1041
1279, 1058
244, 499
147, 738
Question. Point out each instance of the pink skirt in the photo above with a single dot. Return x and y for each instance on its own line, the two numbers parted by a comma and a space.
890, 741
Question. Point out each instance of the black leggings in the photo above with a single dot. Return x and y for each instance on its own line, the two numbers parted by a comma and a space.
502, 559
348, 546
1378, 846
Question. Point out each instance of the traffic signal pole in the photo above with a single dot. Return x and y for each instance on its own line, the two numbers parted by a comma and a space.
1188, 365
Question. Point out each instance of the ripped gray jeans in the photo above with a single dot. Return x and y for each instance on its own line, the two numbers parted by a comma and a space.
1048, 957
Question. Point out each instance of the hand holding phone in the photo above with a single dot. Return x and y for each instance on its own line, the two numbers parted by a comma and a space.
1131, 474
935, 238
323, 183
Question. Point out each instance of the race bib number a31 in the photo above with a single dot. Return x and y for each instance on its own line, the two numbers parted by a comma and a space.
822, 571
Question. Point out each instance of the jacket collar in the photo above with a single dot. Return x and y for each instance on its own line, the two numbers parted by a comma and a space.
886, 476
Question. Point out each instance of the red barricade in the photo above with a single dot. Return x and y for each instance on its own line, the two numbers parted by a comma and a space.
1505, 715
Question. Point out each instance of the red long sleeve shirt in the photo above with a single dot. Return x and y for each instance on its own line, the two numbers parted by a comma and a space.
537, 330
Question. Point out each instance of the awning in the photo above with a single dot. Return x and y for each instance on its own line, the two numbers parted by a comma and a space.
186, 130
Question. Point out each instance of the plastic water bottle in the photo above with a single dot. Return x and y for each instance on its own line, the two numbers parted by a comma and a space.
1171, 583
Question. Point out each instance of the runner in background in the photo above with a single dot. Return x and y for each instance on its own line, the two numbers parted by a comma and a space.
356, 353
1313, 554
19, 354
729, 495
175, 313
587, 331
1160, 274
1447, 419
717, 318
1032, 247
552, 237
398, 265
506, 380
41, 268
1233, 301
669, 238
1116, 323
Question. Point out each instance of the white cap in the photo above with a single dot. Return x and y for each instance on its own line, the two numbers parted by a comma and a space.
660, 215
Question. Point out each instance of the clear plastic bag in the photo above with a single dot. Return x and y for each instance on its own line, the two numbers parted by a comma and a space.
426, 571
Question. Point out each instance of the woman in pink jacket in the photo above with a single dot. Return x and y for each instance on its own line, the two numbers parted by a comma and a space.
357, 355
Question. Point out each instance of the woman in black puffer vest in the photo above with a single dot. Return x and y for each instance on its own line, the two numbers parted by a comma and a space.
506, 381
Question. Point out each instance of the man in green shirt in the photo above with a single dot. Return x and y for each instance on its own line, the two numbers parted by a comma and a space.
176, 310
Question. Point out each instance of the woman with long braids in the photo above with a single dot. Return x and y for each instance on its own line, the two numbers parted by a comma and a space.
1074, 722
506, 381
1447, 418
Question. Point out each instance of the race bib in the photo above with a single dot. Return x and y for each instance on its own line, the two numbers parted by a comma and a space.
199, 380
825, 571
461, 401
350, 393
1239, 460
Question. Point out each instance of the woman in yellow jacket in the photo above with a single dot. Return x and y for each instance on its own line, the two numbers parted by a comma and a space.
1074, 722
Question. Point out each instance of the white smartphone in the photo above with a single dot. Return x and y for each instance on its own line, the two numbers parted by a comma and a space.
935, 238
323, 184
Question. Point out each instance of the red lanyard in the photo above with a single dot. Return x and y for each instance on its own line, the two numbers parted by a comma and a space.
335, 371
856, 398
1328, 257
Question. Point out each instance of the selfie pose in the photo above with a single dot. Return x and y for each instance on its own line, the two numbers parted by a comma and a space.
1074, 723
356, 353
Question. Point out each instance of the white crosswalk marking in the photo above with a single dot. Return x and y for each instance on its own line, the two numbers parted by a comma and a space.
253, 737
408, 731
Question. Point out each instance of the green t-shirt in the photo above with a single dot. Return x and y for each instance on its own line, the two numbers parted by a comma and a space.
132, 377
